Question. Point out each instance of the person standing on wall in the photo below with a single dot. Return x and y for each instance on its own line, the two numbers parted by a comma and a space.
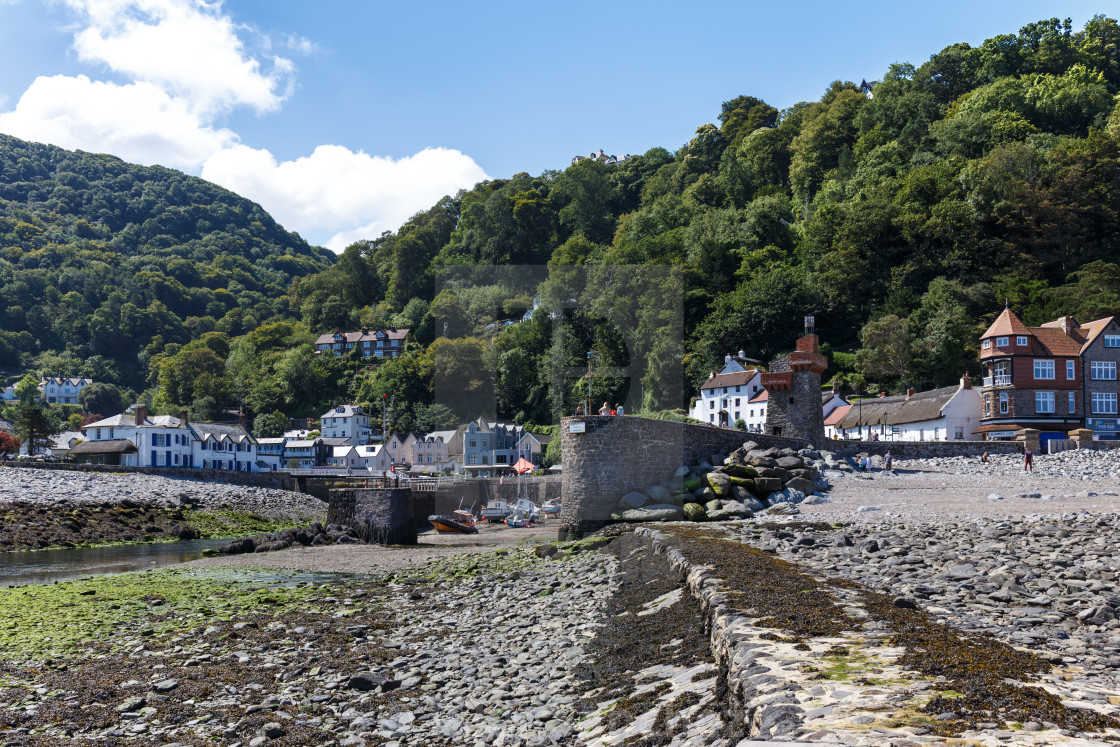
605, 409
618, 409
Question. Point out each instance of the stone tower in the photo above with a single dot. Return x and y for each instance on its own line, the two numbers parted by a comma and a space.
793, 389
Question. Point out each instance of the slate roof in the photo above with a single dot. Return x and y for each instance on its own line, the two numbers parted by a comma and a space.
363, 335
348, 411
218, 431
1056, 342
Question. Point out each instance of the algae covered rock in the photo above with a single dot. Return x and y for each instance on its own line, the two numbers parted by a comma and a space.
655, 512
787, 495
740, 470
694, 512
692, 484
719, 482
713, 505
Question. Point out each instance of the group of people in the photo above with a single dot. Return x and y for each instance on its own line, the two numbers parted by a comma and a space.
606, 409
863, 464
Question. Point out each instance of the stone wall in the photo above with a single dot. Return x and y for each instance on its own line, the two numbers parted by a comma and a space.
796, 412
923, 449
615, 455
384, 516
278, 480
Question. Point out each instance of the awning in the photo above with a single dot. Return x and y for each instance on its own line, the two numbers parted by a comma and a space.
522, 466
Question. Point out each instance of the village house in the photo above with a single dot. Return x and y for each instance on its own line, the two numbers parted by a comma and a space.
62, 390
62, 443
381, 343
1055, 378
946, 414
346, 422
728, 390
438, 451
532, 446
270, 452
400, 447
142, 440
374, 457
602, 157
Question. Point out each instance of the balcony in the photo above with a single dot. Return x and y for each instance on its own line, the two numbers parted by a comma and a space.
998, 380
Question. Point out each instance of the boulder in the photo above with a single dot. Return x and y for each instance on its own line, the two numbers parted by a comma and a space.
815, 499
742, 482
695, 512
790, 462
735, 510
692, 484
809, 473
801, 485
740, 471
633, 500
238, 546
703, 495
184, 532
655, 512
783, 509
767, 485
720, 483
761, 461
658, 493
787, 495
681, 472
715, 505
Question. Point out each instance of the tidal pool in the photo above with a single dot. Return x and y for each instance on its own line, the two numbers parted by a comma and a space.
48, 566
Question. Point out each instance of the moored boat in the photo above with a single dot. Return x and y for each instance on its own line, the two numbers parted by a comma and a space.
550, 507
451, 525
496, 510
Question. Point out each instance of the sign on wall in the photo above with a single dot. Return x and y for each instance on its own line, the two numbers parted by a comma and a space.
577, 427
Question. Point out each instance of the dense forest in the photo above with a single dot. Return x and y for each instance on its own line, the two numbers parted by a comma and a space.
104, 264
903, 218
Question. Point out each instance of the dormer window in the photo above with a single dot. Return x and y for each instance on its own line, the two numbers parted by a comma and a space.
1002, 342
339, 409
986, 344
1021, 341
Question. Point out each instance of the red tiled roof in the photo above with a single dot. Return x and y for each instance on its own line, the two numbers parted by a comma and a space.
736, 378
834, 416
760, 397
1006, 324
1057, 342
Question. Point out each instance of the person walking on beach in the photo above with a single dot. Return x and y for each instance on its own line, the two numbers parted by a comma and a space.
889, 461
984, 457
1028, 463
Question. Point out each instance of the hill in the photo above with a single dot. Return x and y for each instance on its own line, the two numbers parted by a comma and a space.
105, 263
902, 214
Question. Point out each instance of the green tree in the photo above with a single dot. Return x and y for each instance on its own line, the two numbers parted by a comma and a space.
34, 422
270, 425
101, 398
887, 352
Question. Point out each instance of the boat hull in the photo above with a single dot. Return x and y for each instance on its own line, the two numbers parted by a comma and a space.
448, 525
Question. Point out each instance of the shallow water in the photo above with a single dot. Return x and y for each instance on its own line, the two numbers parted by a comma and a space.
47, 566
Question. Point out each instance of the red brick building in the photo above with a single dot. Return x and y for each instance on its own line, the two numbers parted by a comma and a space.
1047, 377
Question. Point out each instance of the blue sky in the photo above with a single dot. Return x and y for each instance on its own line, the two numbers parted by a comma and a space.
344, 118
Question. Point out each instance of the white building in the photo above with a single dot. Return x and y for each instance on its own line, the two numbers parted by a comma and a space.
299, 453
438, 451
346, 422
270, 453
948, 414
138, 439
374, 457
62, 390
63, 442
728, 390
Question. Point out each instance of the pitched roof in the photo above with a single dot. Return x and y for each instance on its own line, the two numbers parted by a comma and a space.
760, 397
371, 450
343, 411
836, 415
6, 426
919, 407
363, 336
735, 378
114, 446
1092, 330
1006, 324
128, 420
1055, 341
341, 451
445, 435
218, 431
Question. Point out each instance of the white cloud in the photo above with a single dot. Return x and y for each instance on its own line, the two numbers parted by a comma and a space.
137, 122
187, 47
340, 193
186, 66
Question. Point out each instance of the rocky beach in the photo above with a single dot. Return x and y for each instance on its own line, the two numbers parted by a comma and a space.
945, 601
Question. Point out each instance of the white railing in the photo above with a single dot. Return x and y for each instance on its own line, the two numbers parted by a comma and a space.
1002, 380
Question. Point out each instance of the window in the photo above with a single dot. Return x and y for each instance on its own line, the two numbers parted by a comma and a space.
1072, 402
711, 418
711, 404
1102, 370
1043, 402
725, 390
987, 407
1112, 341
1021, 341
736, 401
959, 435
986, 344
1003, 404
1044, 369
1104, 403
736, 390
1001, 342
1071, 370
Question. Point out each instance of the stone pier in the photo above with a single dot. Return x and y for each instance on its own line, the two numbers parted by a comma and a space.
382, 516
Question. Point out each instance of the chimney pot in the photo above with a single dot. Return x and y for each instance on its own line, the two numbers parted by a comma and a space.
909, 392
183, 417
966, 381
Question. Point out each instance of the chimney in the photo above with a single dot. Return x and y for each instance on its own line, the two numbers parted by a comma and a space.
909, 392
365, 331
183, 418
141, 414
966, 381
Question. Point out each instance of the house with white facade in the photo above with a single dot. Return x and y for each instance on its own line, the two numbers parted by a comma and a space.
270, 453
374, 457
948, 414
380, 343
62, 390
347, 422
62, 443
138, 439
728, 390
832, 420
300, 453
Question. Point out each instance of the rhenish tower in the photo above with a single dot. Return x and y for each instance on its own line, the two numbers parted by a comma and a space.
793, 389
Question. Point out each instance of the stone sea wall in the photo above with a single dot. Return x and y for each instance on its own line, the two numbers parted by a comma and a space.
278, 480
383, 516
923, 449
